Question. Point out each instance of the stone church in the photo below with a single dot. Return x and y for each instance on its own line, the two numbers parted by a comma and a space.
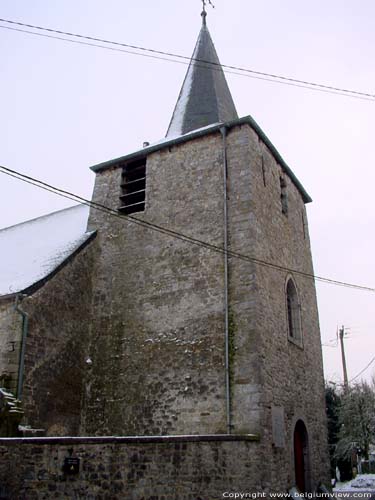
178, 308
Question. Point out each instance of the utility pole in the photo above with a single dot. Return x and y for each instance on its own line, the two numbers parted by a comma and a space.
346, 384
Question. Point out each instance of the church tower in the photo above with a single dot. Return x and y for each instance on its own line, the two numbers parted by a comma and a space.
204, 314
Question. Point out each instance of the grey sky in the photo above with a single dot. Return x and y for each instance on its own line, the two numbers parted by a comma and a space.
65, 107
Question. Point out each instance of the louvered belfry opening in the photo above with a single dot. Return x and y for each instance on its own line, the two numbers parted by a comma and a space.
133, 187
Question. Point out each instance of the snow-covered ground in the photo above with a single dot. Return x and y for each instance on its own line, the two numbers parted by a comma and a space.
363, 482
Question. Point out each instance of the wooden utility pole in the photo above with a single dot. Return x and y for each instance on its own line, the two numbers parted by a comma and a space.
346, 384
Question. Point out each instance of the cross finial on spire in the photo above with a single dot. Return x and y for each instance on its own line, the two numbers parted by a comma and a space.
204, 13
205, 98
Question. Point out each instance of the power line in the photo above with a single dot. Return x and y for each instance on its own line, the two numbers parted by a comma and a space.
364, 369
358, 374
96, 45
329, 343
172, 233
116, 49
244, 71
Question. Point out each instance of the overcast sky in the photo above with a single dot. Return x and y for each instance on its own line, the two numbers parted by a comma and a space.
66, 106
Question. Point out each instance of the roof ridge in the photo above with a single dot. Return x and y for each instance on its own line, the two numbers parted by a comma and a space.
41, 217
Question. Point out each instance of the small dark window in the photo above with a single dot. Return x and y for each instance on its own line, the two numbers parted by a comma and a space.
283, 196
293, 312
264, 172
303, 226
133, 187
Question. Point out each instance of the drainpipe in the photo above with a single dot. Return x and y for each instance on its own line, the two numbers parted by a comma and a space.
25, 327
223, 131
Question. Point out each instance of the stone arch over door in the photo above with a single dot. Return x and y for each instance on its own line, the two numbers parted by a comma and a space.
301, 457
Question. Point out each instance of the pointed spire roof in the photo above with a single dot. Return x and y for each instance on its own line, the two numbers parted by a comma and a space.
205, 97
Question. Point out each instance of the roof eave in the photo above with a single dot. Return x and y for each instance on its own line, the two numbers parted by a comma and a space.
143, 153
306, 197
166, 143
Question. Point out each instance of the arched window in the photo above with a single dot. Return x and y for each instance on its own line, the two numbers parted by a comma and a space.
293, 312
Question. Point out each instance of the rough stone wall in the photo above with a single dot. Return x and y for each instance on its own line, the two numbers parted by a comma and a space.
157, 341
158, 331
10, 342
59, 317
271, 376
129, 469
245, 359
291, 375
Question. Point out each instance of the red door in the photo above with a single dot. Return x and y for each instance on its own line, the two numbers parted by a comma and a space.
299, 461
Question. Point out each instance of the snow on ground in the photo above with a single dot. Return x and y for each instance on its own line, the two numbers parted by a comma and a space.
363, 482
30, 251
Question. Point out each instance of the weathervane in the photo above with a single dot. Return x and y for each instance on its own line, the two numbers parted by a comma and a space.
204, 13
205, 3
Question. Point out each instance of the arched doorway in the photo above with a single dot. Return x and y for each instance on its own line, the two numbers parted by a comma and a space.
301, 457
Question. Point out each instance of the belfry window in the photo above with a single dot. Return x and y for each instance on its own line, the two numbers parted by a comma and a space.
133, 187
293, 312
283, 196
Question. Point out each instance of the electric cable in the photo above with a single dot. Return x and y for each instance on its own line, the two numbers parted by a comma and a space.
172, 233
270, 76
364, 369
116, 49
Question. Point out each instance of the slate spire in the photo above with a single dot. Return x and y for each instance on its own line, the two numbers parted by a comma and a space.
205, 97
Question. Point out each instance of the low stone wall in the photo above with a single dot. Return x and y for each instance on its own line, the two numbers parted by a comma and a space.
134, 468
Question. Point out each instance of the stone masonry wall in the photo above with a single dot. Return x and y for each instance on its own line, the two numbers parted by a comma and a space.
157, 341
272, 378
56, 346
245, 359
10, 342
129, 468
291, 374
158, 330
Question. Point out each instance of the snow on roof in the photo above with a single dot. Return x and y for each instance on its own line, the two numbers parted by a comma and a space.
176, 125
157, 145
171, 137
30, 251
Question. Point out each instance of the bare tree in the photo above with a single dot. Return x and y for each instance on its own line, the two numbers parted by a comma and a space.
357, 420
